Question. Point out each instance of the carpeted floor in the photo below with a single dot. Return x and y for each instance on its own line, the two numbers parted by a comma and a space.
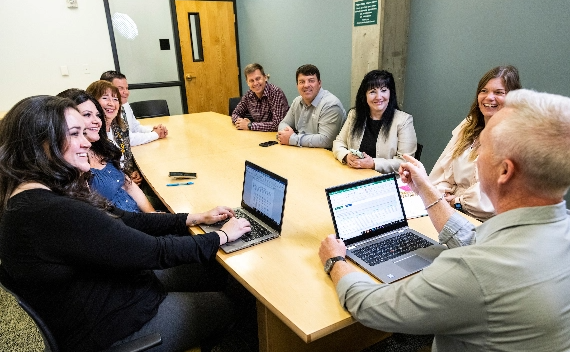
17, 330
19, 334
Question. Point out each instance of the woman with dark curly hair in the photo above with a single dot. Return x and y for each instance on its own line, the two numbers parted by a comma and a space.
108, 180
86, 267
455, 172
376, 133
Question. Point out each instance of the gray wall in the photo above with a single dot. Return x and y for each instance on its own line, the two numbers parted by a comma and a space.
283, 35
453, 43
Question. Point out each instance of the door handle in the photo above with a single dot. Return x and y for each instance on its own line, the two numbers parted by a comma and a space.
190, 78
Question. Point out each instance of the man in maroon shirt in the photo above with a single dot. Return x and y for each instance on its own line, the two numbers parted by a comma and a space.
263, 106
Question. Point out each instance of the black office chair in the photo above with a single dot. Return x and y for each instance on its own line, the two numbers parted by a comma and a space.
419, 149
138, 345
150, 108
233, 103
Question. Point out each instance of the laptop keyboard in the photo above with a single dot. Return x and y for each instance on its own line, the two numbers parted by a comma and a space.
390, 248
257, 231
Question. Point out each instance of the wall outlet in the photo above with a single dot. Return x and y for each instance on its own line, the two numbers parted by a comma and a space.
64, 71
86, 69
71, 3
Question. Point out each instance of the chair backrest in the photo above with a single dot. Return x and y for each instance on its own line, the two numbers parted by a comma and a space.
49, 341
233, 103
150, 108
137, 345
419, 149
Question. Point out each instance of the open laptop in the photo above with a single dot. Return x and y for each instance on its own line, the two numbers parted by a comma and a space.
368, 215
262, 204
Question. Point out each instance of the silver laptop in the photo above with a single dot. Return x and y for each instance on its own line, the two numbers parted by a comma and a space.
262, 203
368, 215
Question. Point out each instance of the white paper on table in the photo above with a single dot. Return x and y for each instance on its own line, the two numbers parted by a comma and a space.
413, 204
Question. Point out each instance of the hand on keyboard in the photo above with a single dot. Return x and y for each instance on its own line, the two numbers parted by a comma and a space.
219, 213
235, 228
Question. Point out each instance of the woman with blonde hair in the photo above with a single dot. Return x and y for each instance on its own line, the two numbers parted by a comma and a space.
455, 172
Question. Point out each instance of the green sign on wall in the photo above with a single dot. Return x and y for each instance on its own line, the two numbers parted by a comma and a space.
365, 12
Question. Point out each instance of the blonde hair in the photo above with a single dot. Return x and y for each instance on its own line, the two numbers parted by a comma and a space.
535, 136
469, 134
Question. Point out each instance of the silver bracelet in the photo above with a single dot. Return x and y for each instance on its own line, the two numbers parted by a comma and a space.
437, 201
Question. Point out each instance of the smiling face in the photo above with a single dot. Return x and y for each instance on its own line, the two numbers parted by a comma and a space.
377, 99
491, 98
92, 120
256, 82
77, 145
110, 104
308, 87
123, 86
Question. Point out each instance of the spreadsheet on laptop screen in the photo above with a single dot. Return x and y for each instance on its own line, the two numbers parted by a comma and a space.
366, 207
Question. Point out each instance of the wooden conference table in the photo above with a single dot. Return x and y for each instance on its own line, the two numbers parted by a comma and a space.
295, 296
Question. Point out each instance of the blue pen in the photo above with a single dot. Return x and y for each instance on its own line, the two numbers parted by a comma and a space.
180, 184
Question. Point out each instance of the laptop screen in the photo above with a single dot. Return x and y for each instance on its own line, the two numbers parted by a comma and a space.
264, 194
366, 208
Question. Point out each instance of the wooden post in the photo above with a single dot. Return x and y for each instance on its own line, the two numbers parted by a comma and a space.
382, 45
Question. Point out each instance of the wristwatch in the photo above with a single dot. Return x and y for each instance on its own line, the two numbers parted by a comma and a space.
457, 204
249, 126
330, 263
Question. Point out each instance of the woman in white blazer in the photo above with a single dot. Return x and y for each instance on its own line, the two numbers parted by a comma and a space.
376, 133
455, 172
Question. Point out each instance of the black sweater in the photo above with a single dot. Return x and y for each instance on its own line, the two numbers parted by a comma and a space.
87, 273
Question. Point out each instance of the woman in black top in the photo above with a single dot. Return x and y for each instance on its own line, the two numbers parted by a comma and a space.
85, 266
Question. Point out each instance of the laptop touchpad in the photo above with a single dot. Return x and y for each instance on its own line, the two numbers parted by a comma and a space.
412, 263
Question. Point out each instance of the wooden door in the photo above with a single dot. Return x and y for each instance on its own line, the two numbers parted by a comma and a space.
211, 72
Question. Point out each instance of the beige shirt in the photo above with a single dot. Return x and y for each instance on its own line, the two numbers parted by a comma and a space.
458, 176
506, 292
401, 140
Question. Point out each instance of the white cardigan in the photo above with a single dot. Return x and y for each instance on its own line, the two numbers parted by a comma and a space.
401, 140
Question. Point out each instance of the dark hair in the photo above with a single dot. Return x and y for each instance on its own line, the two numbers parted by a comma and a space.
98, 88
251, 68
307, 70
475, 119
375, 79
33, 139
104, 148
109, 76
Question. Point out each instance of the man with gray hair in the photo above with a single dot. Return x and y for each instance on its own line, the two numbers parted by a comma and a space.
502, 286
